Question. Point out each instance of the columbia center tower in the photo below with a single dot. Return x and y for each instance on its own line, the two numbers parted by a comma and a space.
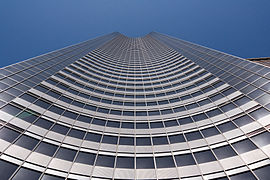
147, 108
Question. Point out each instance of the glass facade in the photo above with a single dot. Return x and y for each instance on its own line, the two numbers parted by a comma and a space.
154, 107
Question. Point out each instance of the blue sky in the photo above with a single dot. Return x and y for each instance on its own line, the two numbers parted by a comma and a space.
33, 27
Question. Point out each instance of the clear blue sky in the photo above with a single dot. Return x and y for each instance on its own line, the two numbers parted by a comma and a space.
32, 27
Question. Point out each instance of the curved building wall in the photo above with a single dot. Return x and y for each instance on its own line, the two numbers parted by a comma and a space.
154, 107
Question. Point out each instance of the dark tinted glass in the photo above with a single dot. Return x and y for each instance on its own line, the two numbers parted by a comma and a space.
50, 177
244, 146
142, 125
60, 129
193, 136
7, 169
185, 120
8, 134
10, 109
224, 152
204, 156
243, 120
143, 141
43, 123
164, 162
156, 125
246, 175
85, 158
262, 139
66, 154
160, 140
184, 160
93, 137
46, 148
76, 133
127, 125
144, 163
26, 174
109, 139
263, 172
125, 162
113, 124
86, 119
42, 104
210, 132
28, 116
226, 127
99, 122
177, 138
171, 123
27, 142
56, 109
259, 113
107, 161
126, 141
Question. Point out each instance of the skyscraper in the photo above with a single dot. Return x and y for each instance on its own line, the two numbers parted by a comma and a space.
154, 107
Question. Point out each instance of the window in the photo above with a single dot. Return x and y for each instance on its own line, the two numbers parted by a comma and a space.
99, 122
246, 175
51, 177
224, 152
143, 125
171, 123
8, 134
125, 162
66, 154
42, 104
226, 127
199, 117
177, 138
164, 162
93, 137
160, 140
143, 141
193, 136
213, 112
106, 161
26, 174
114, 124
244, 146
126, 140
145, 163
127, 125
46, 148
210, 132
243, 120
259, 113
262, 139
204, 156
27, 142
7, 169
70, 115
156, 124
84, 118
60, 129
263, 172
109, 139
228, 107
184, 160
76, 133
85, 158
141, 113
10, 109
185, 120
56, 109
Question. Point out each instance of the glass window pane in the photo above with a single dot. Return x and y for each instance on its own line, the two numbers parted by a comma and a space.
106, 161
46, 148
263, 172
8, 134
246, 175
184, 160
224, 152
27, 142
7, 169
126, 141
164, 162
85, 158
204, 156
143, 141
26, 174
244, 146
160, 140
177, 138
125, 162
66, 154
145, 163
262, 139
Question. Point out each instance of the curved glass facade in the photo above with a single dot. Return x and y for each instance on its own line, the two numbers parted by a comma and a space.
154, 107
